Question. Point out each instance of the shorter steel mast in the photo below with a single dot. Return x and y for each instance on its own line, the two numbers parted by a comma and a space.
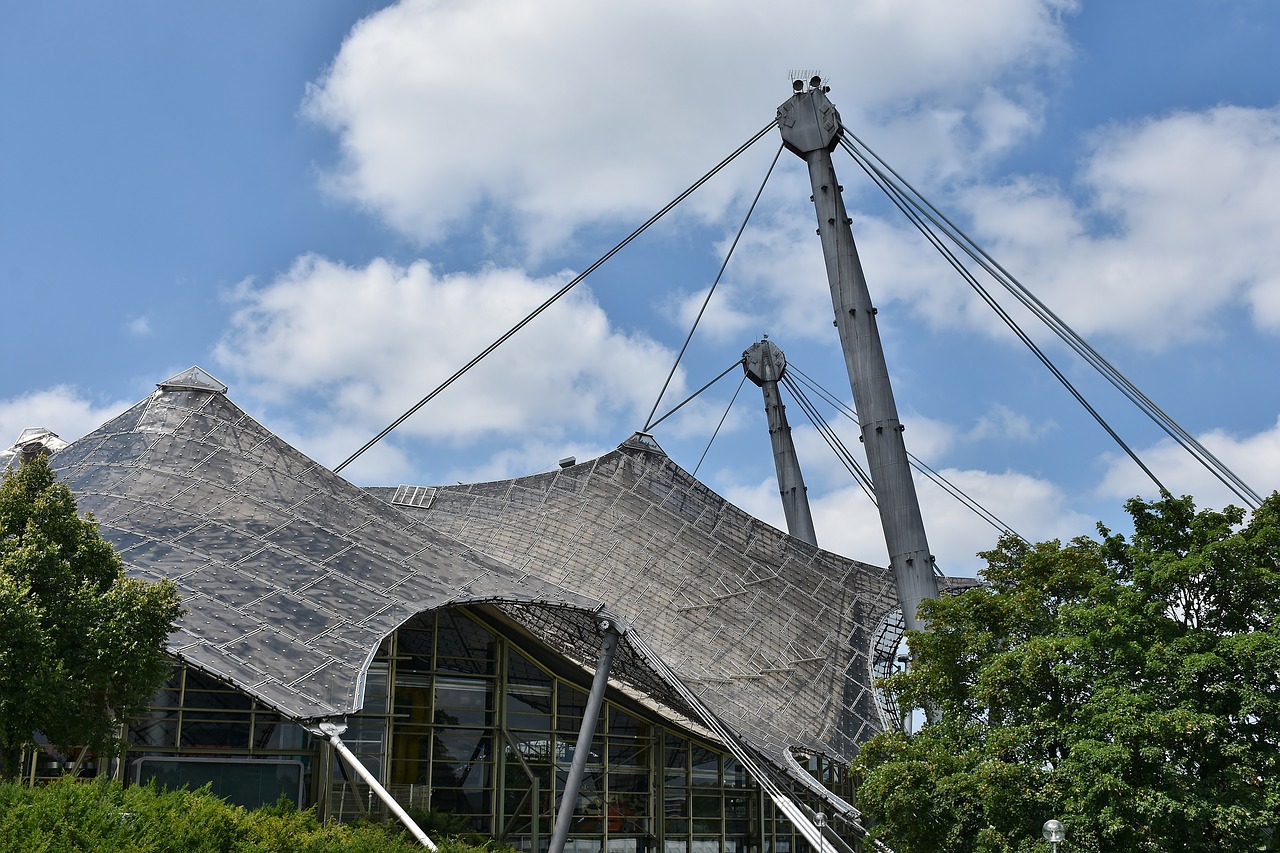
811, 130
765, 365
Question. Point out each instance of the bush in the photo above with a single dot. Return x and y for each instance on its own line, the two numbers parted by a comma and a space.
75, 815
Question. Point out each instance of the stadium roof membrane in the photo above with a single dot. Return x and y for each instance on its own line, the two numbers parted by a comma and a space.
292, 576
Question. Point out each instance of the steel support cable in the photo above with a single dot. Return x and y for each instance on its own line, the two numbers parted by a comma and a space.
705, 302
682, 403
559, 293
829, 436
1082, 347
723, 417
748, 757
908, 209
941, 481
833, 440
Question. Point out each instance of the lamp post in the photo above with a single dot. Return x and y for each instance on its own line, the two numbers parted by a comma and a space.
1053, 832
820, 821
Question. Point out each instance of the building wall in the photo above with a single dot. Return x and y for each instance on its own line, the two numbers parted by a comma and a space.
461, 716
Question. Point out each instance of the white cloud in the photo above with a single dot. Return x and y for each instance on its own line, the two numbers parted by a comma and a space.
564, 112
848, 523
60, 409
1178, 223
1170, 227
1001, 422
373, 340
1035, 508
1254, 458
723, 318
139, 327
777, 279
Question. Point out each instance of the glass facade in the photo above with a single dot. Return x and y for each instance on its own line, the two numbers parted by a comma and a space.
460, 717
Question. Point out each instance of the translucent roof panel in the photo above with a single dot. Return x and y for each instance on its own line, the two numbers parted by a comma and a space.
291, 575
773, 634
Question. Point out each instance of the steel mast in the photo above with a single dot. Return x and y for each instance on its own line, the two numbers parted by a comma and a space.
765, 365
811, 129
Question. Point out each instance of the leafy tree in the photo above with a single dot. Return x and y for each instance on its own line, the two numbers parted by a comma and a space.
81, 645
1130, 689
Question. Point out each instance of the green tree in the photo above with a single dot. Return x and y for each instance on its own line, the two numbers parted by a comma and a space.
1130, 689
81, 645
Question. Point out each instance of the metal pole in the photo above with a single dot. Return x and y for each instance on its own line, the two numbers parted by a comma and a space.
569, 800
810, 129
765, 365
330, 732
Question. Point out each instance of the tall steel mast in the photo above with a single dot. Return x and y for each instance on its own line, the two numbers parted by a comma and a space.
811, 130
765, 365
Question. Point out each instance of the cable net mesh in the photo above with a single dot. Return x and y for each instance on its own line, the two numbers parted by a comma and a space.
292, 576
773, 634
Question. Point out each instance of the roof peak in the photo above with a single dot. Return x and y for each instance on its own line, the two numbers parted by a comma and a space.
194, 378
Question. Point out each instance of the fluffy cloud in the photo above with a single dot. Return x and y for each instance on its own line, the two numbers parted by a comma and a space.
563, 112
1255, 458
60, 409
371, 341
1174, 220
1169, 227
847, 523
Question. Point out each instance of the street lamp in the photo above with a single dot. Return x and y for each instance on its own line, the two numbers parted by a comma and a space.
1053, 832
820, 821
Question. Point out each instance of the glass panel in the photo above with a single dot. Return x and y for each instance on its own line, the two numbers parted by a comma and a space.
706, 807
622, 723
249, 782
675, 804
735, 776
198, 734
534, 746
461, 757
706, 767
463, 702
272, 733
413, 699
459, 637
628, 803
625, 753
529, 707
210, 694
676, 770
414, 649
410, 757
570, 708
154, 732
521, 670
375, 689
738, 805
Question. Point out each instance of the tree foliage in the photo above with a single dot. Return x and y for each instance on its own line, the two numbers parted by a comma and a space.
1130, 689
81, 645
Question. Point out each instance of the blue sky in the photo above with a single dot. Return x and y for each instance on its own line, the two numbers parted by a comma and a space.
332, 206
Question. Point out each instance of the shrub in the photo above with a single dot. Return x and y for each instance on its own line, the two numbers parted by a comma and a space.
76, 815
